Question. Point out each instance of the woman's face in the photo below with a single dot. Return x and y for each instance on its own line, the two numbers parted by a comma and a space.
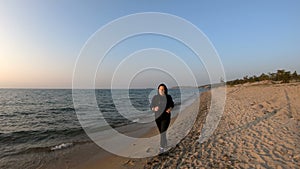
161, 90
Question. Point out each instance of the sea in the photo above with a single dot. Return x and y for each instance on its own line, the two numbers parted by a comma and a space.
36, 121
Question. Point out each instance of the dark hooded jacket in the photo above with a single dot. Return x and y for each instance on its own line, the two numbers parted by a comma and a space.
163, 102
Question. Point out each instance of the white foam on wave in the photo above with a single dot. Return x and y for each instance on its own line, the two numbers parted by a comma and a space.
61, 146
136, 120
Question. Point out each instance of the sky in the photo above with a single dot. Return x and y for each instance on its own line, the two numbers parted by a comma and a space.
41, 40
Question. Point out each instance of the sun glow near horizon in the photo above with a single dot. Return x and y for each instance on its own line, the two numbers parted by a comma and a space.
40, 41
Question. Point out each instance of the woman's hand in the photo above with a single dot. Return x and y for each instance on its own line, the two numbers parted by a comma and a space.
169, 110
155, 108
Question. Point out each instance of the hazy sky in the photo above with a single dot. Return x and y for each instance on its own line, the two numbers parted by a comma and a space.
41, 39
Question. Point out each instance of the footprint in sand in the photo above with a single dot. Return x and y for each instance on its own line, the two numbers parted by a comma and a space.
150, 150
260, 106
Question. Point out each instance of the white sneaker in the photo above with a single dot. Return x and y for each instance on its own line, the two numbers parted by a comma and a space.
162, 150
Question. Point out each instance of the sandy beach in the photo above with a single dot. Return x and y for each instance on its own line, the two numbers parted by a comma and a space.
259, 129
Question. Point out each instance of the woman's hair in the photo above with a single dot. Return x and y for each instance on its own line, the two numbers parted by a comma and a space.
166, 89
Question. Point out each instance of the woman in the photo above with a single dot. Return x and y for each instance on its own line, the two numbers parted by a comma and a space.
162, 105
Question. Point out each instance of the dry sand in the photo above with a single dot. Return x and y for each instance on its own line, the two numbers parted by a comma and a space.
259, 129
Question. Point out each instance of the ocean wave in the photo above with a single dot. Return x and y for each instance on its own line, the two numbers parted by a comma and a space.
8, 115
135, 120
45, 149
37, 135
64, 109
56, 147
61, 146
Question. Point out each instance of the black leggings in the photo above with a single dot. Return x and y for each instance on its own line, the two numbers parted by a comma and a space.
162, 125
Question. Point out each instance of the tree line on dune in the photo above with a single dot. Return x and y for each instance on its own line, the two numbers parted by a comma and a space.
281, 76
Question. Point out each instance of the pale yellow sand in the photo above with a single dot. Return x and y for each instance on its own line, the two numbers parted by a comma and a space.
259, 129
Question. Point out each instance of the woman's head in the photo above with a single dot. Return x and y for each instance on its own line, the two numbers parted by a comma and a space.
162, 89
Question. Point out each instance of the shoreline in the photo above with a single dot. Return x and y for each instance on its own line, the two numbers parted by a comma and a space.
90, 155
115, 161
258, 129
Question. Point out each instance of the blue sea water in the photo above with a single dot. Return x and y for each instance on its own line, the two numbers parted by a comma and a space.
44, 120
